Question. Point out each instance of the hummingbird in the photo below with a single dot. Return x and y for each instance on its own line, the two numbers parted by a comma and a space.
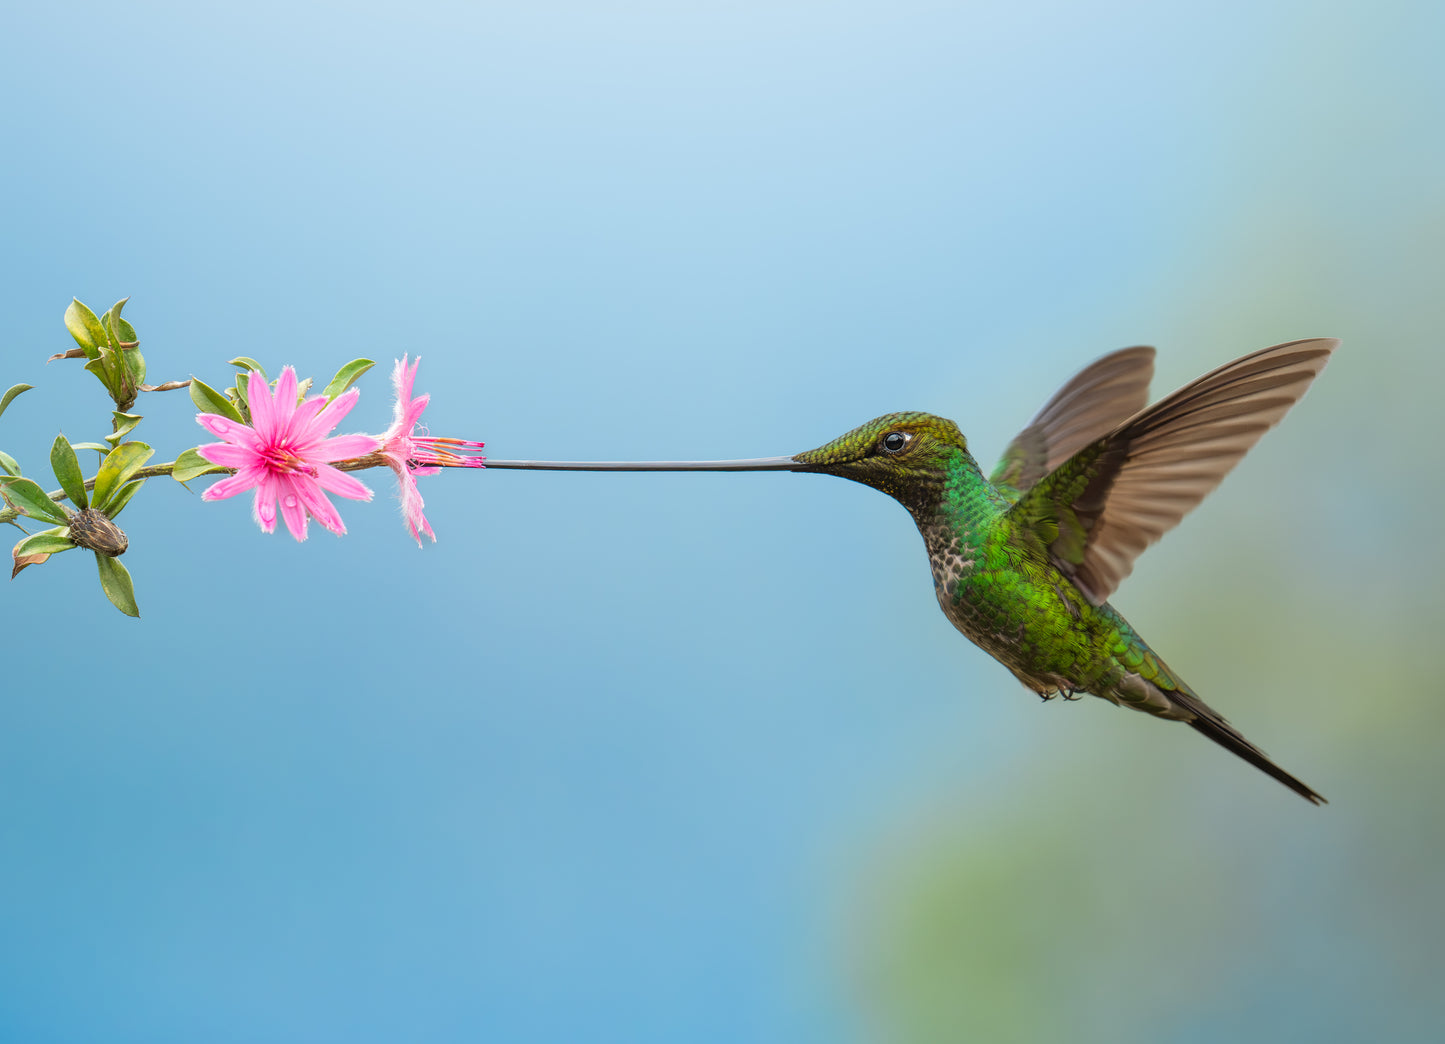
1024, 559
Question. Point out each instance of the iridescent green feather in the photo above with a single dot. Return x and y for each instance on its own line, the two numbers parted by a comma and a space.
1023, 565
1123, 492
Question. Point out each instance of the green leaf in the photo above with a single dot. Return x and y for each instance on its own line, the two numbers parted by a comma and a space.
45, 542
247, 364
240, 395
102, 369
208, 400
117, 468
116, 583
67, 471
135, 363
10, 465
191, 464
124, 423
9, 396
29, 499
122, 497
101, 447
121, 332
86, 329
347, 376
22, 562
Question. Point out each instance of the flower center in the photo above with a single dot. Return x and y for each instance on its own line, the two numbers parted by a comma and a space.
281, 459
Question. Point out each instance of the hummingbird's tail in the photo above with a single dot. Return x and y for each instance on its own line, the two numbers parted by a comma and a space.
1205, 720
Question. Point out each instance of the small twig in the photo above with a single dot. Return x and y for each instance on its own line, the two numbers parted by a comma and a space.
167, 386
371, 460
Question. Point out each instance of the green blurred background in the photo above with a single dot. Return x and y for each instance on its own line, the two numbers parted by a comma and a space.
696, 757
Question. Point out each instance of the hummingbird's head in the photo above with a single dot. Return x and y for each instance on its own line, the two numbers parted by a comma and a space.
906, 455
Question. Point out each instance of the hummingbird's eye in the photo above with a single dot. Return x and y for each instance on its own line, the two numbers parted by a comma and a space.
894, 442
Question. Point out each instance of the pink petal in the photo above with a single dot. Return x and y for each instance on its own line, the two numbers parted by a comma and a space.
415, 519
402, 379
339, 482
406, 489
263, 409
226, 428
341, 447
337, 409
235, 434
406, 411
229, 456
283, 404
316, 503
411, 524
264, 507
411, 416
292, 510
412, 505
237, 483
305, 429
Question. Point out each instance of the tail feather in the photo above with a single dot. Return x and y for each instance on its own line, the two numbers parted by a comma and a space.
1208, 723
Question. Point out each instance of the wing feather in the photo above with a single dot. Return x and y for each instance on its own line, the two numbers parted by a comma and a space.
1097, 400
1117, 495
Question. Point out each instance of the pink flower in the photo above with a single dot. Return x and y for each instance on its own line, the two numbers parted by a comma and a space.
409, 454
286, 456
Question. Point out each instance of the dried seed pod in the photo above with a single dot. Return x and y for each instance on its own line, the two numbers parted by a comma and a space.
94, 530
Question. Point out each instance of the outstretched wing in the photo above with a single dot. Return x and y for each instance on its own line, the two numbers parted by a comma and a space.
1101, 396
1119, 494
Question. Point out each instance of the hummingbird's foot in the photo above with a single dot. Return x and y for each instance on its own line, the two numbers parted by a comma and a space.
1071, 694
1047, 696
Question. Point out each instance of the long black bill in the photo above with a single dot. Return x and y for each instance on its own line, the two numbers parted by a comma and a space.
754, 464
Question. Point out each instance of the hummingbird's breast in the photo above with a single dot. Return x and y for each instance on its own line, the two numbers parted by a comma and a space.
1020, 611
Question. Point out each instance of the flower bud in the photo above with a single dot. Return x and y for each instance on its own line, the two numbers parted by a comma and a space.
92, 529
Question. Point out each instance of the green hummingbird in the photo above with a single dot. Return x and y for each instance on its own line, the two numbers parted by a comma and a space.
1025, 559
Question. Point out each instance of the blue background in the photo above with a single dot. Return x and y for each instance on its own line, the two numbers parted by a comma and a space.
695, 757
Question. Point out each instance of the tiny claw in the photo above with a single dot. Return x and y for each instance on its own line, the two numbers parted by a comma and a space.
1047, 696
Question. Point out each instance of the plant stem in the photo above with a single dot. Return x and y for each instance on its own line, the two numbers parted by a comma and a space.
370, 460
